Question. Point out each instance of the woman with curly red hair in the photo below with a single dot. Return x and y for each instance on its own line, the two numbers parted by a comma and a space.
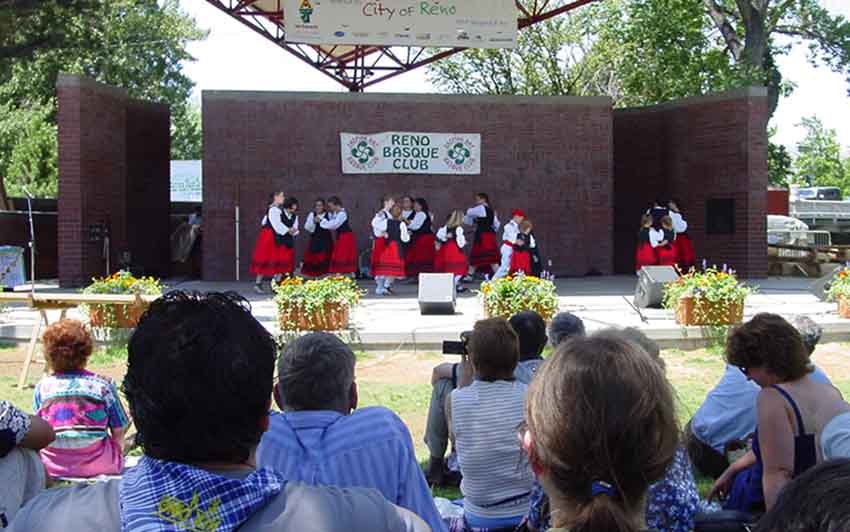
83, 408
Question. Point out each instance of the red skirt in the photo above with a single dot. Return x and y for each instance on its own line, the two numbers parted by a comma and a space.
316, 263
667, 255
270, 258
450, 259
645, 256
420, 256
485, 252
390, 262
378, 246
685, 251
344, 254
520, 262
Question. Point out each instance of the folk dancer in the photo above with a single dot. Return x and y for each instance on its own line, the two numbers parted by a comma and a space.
385, 204
509, 237
450, 257
419, 256
317, 258
484, 256
663, 241
344, 254
408, 210
645, 253
390, 264
658, 211
521, 258
684, 245
274, 252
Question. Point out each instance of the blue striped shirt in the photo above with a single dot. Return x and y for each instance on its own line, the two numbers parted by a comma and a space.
370, 448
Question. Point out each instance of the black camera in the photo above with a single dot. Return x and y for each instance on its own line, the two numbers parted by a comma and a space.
452, 347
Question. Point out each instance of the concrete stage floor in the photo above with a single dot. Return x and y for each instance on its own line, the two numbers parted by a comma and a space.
394, 323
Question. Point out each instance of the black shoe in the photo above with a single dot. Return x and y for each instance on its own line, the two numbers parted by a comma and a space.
462, 289
389, 291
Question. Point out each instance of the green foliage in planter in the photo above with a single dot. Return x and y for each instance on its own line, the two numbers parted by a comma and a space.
719, 287
119, 283
506, 296
310, 298
840, 287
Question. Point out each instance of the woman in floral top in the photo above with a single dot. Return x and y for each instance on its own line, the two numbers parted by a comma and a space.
83, 408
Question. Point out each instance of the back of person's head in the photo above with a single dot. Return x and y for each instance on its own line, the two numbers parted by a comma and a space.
290, 202
454, 220
395, 212
494, 349
315, 372
602, 428
531, 332
768, 341
334, 200
633, 334
809, 331
563, 326
815, 501
666, 222
645, 220
199, 378
67, 346
483, 196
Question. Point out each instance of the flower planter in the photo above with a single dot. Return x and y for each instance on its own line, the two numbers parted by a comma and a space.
844, 307
698, 311
545, 314
116, 316
329, 317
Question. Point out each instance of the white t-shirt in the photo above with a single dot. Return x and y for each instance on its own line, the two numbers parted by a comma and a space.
22, 477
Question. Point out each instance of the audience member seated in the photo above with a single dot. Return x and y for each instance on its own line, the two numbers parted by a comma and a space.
199, 386
83, 408
564, 325
22, 474
771, 352
531, 329
834, 428
727, 417
321, 439
483, 419
816, 501
673, 501
601, 427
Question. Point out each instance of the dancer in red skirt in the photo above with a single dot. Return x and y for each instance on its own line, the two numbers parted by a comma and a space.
663, 241
344, 254
274, 252
645, 253
450, 257
484, 257
390, 263
379, 228
317, 258
419, 256
521, 256
408, 211
684, 246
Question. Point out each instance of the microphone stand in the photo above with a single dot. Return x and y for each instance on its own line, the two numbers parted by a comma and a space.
31, 243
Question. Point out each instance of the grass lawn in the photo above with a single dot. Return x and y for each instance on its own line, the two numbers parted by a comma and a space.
401, 381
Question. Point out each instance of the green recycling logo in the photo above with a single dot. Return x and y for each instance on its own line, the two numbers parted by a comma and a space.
459, 153
362, 152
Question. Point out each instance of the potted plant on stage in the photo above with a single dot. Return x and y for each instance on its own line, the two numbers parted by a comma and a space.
506, 296
318, 305
839, 290
708, 297
116, 316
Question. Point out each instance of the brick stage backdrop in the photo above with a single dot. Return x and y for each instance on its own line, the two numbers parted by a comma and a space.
582, 171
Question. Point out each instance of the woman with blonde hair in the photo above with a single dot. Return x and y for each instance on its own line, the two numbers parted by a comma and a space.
450, 257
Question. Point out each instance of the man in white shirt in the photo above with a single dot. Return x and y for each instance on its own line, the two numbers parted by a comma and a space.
509, 236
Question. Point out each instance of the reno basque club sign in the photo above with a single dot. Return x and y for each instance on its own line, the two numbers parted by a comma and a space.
411, 153
437, 23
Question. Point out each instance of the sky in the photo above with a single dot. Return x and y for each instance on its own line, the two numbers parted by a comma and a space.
235, 58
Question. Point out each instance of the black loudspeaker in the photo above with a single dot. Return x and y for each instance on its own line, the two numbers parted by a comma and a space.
820, 287
436, 293
650, 287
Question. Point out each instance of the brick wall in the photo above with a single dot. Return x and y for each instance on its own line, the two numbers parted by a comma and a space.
696, 149
110, 151
549, 156
15, 231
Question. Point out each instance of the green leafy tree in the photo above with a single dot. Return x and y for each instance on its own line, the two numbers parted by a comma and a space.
819, 157
27, 26
28, 150
186, 134
779, 162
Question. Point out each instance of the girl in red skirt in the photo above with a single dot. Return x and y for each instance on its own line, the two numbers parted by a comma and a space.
274, 252
419, 257
379, 228
317, 258
450, 257
645, 254
485, 256
521, 256
684, 245
663, 241
390, 263
344, 254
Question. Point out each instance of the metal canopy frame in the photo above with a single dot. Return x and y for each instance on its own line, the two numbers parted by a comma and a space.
359, 67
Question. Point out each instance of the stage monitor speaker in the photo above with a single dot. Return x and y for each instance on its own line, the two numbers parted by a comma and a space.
650, 287
436, 293
820, 287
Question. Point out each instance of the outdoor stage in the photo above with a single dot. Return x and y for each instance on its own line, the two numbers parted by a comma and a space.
394, 323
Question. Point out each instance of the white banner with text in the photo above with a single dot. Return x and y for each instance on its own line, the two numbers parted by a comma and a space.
411, 153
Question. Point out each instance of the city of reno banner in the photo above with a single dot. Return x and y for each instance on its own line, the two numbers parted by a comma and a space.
411, 153
437, 23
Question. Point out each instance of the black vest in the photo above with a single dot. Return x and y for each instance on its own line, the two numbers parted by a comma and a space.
643, 236
394, 235
321, 239
344, 228
484, 225
657, 214
425, 228
289, 221
669, 236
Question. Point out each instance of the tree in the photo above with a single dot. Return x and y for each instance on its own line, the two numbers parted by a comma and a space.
28, 150
819, 157
30, 25
779, 162
186, 134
